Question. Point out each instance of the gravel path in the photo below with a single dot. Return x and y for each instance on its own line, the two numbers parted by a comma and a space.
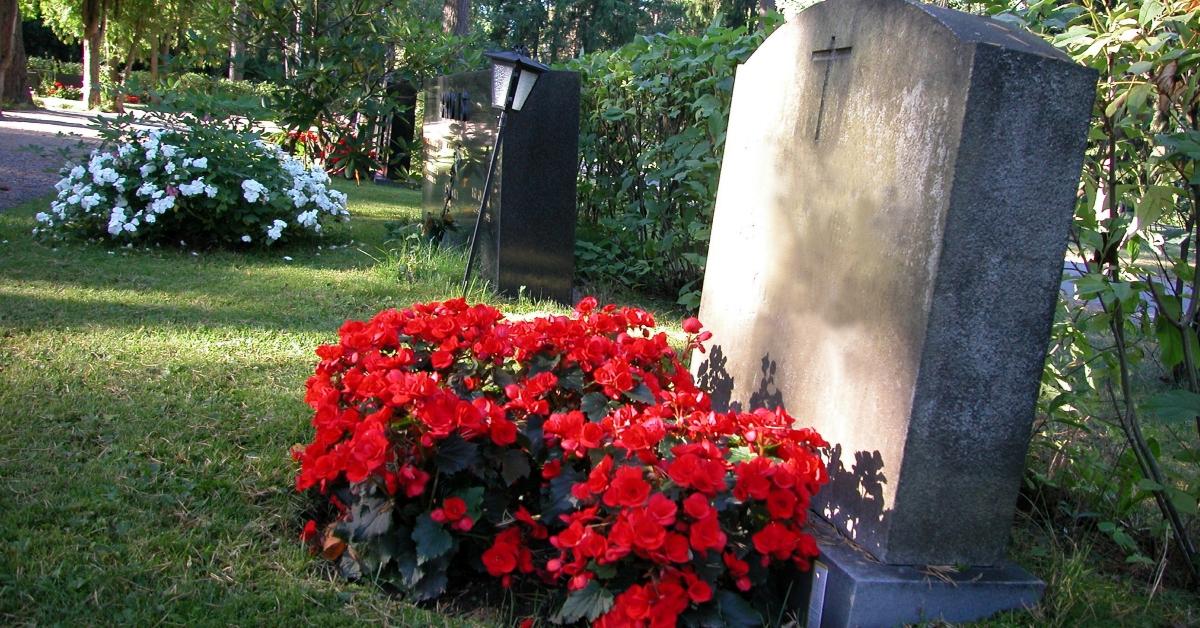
34, 144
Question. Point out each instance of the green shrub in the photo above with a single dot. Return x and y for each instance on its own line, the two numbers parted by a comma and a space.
199, 181
59, 79
42, 65
1121, 388
652, 131
206, 94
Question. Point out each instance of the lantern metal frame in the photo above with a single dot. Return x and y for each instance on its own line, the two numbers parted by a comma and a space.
514, 77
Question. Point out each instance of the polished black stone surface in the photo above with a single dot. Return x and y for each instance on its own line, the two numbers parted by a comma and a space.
527, 239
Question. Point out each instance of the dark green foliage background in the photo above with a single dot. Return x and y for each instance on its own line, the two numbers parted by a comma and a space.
652, 128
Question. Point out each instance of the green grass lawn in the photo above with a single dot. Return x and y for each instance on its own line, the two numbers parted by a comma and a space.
148, 399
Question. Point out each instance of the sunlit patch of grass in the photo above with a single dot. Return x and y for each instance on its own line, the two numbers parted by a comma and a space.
149, 399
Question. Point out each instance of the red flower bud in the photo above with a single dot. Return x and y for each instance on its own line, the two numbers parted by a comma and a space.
310, 531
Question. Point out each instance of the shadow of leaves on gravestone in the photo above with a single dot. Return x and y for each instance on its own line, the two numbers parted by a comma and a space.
713, 376
768, 394
853, 500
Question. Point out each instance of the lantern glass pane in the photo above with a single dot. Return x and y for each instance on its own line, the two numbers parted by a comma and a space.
524, 86
501, 74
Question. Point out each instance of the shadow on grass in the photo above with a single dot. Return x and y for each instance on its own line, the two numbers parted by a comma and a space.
295, 288
320, 313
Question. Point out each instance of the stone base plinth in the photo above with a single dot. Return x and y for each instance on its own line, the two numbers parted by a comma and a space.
850, 588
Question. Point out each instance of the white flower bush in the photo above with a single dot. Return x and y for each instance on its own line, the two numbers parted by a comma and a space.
202, 182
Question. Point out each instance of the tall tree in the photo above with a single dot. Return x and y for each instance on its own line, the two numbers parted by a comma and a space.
456, 17
237, 39
94, 18
14, 84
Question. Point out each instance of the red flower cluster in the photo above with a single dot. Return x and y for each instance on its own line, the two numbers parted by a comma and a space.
604, 465
453, 512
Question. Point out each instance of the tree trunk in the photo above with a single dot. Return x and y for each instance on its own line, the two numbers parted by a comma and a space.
93, 42
114, 76
164, 53
237, 40
154, 63
14, 78
456, 16
118, 75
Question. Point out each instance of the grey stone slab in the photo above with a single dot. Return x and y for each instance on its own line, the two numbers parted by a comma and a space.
894, 202
850, 588
458, 130
527, 239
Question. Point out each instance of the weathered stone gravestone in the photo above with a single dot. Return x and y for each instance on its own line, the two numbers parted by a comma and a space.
527, 239
893, 209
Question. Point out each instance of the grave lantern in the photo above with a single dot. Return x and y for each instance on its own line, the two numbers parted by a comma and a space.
513, 78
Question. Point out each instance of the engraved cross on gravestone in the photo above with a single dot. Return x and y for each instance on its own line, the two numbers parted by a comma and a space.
828, 56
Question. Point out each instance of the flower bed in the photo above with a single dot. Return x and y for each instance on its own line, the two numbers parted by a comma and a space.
572, 451
202, 182
58, 90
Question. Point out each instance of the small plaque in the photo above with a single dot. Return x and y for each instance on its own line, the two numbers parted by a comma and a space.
816, 599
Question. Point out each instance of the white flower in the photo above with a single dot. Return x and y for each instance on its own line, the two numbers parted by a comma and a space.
168, 151
200, 163
146, 169
77, 172
193, 188
116, 221
90, 201
287, 258
161, 205
252, 189
101, 176
308, 218
246, 238
210, 191
293, 167
151, 218
170, 167
42, 217
275, 230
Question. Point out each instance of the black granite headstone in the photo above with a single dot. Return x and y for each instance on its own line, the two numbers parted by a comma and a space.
527, 239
